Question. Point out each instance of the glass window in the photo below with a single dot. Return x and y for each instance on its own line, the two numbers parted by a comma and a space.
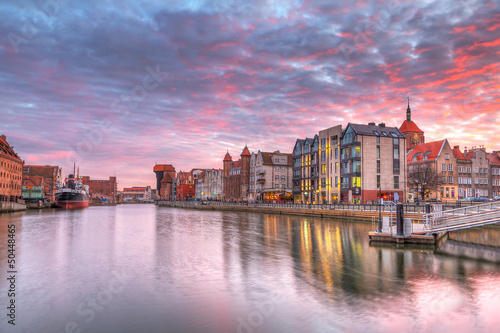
443, 167
277, 169
356, 152
356, 181
336, 153
443, 179
323, 155
378, 181
396, 153
283, 177
378, 166
378, 138
323, 169
446, 156
450, 179
336, 181
276, 177
396, 181
323, 143
336, 167
283, 169
378, 151
450, 167
323, 182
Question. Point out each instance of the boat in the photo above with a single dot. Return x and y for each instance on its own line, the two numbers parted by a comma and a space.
72, 194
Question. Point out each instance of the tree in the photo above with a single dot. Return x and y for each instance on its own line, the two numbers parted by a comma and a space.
423, 179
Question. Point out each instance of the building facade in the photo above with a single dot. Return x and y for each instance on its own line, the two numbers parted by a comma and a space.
494, 159
11, 172
271, 177
414, 135
46, 176
136, 193
212, 185
165, 181
480, 171
305, 170
439, 156
329, 164
372, 163
464, 174
237, 177
102, 188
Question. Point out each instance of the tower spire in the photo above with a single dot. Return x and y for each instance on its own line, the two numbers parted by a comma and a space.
408, 111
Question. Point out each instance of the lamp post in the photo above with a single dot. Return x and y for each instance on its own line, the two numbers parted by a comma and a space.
379, 209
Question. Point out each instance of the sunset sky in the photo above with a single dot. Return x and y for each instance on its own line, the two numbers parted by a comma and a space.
119, 85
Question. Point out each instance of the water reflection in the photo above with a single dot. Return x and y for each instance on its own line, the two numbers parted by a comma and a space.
192, 271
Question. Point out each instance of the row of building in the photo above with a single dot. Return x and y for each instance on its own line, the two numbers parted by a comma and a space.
356, 163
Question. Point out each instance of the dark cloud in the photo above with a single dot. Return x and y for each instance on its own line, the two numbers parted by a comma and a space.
234, 72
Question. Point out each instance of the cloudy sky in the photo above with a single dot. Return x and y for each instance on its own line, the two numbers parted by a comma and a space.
119, 85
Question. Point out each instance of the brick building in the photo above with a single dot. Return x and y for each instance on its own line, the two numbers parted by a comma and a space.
102, 189
46, 176
237, 176
494, 159
480, 171
464, 174
136, 193
185, 189
414, 135
11, 172
165, 181
440, 157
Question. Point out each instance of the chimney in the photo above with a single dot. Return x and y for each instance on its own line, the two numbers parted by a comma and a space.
382, 124
456, 147
465, 150
371, 124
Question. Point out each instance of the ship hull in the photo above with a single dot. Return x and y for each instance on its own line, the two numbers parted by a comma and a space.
72, 199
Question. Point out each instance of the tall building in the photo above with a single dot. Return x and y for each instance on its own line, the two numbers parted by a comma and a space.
305, 170
270, 177
47, 176
329, 164
165, 181
440, 157
464, 174
237, 176
372, 161
11, 172
414, 135
102, 188
480, 171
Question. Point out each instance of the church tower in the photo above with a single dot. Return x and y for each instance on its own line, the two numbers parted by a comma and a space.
410, 130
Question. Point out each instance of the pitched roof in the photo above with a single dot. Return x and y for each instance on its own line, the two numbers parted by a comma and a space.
245, 152
46, 171
236, 164
494, 158
6, 149
166, 179
372, 130
409, 126
267, 157
458, 154
163, 167
227, 157
431, 150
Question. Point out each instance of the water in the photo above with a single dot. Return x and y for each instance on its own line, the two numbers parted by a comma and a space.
138, 268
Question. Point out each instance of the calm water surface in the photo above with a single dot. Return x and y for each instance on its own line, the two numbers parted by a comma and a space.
139, 268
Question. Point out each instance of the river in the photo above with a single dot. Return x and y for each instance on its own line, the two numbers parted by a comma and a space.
141, 268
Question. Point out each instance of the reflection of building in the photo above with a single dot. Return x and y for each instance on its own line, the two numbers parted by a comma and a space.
237, 176
305, 170
165, 181
102, 189
270, 176
494, 159
372, 158
11, 171
329, 164
136, 193
45, 176
414, 135
439, 156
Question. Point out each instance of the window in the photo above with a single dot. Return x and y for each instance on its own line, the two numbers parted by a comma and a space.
395, 141
395, 167
356, 166
476, 181
336, 181
356, 152
378, 181
276, 185
485, 181
378, 166
283, 169
450, 179
378, 151
283, 177
277, 169
396, 181
443, 167
446, 156
460, 169
276, 177
336, 167
336, 153
443, 179
396, 153
323, 143
480, 160
356, 181
323, 182
378, 138
450, 167
323, 155
476, 170
323, 169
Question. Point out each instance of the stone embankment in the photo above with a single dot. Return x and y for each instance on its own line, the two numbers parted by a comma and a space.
353, 212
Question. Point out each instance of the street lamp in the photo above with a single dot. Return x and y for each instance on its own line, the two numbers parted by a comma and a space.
379, 209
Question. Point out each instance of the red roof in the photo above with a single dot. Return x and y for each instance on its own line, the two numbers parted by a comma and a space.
494, 158
245, 152
410, 126
430, 149
458, 154
163, 167
134, 189
237, 164
167, 178
6, 149
227, 157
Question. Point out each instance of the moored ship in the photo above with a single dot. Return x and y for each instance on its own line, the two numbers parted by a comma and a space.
72, 195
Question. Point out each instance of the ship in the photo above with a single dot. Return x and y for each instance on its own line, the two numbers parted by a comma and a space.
72, 194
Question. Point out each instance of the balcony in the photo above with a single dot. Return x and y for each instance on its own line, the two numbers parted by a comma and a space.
261, 180
261, 172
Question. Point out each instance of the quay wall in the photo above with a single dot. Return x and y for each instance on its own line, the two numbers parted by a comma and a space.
7, 207
361, 213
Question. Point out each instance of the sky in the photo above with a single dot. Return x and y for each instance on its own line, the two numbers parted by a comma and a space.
117, 86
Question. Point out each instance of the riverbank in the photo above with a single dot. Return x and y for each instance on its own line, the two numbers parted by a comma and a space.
363, 214
9, 207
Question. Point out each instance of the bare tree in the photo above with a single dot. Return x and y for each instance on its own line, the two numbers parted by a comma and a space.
423, 179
